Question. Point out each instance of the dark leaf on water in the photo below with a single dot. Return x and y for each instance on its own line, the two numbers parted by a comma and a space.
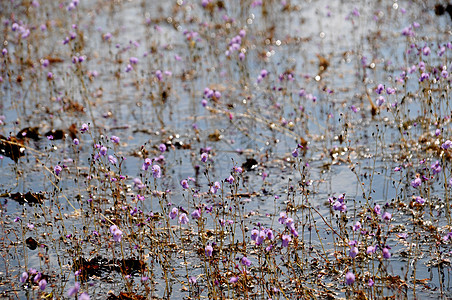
29, 132
57, 134
32, 244
439, 10
125, 296
250, 164
11, 147
98, 265
29, 197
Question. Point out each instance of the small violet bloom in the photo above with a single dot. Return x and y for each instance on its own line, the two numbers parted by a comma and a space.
416, 182
173, 213
183, 219
286, 240
353, 252
196, 214
349, 278
116, 232
208, 250
156, 171
386, 216
57, 169
42, 284
377, 209
245, 261
184, 184
23, 277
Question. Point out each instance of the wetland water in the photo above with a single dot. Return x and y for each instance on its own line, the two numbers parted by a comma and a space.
225, 149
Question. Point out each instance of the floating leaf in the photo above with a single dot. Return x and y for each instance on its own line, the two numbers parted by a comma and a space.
11, 147
29, 197
29, 132
32, 244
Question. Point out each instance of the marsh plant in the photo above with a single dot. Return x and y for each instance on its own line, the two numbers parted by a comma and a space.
225, 149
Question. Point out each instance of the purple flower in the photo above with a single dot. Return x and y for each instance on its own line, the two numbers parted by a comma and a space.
436, 167
107, 36
23, 277
156, 171
370, 249
338, 205
146, 164
282, 218
286, 240
254, 234
354, 108
112, 160
349, 278
357, 226
353, 252
416, 182
289, 222
196, 214
408, 31
162, 147
208, 250
183, 219
114, 139
74, 290
386, 253
386, 216
233, 279
238, 170
380, 88
184, 184
192, 279
84, 128
173, 213
446, 144
380, 101
230, 179
76, 142
426, 51
420, 200
159, 75
215, 187
42, 284
377, 209
295, 153
204, 157
260, 238
57, 169
371, 282
117, 234
424, 76
245, 261
103, 151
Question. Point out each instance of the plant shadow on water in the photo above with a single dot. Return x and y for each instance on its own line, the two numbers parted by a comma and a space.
198, 149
